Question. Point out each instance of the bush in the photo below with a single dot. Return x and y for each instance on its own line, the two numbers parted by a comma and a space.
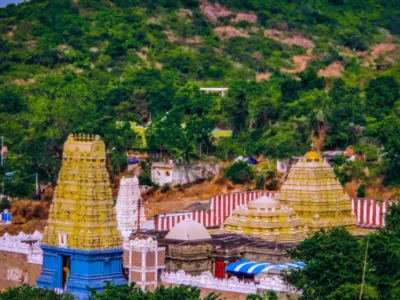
165, 188
30, 210
260, 182
4, 204
361, 191
240, 172
18, 220
273, 185
145, 179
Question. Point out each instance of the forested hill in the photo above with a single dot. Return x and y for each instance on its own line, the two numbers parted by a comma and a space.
330, 67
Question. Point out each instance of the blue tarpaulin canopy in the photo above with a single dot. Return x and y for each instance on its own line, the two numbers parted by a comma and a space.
246, 267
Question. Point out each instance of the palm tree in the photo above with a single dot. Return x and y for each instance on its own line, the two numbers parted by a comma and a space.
185, 151
319, 124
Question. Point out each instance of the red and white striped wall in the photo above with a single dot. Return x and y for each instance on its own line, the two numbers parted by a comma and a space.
369, 213
221, 207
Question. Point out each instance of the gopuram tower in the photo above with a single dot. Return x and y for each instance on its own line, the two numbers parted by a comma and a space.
81, 243
315, 194
129, 208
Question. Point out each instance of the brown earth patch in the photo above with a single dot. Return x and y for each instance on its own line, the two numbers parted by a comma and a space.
263, 76
22, 82
179, 200
248, 17
142, 54
159, 65
300, 63
230, 31
335, 69
173, 38
214, 10
386, 50
184, 13
289, 38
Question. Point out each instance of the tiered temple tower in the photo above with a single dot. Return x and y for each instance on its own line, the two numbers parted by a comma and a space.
266, 218
81, 243
310, 199
130, 210
315, 194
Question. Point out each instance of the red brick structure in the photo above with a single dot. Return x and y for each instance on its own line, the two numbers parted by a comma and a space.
144, 260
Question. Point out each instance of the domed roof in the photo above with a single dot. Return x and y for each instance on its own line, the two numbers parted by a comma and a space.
264, 202
188, 230
313, 156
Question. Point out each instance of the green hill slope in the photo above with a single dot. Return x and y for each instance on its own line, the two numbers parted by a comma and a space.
293, 67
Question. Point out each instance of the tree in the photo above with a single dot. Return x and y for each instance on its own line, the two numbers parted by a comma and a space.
240, 172
235, 104
332, 258
384, 256
32, 293
381, 94
392, 218
352, 292
11, 101
387, 133
133, 292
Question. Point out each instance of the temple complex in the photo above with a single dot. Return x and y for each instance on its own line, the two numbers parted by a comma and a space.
310, 199
82, 246
130, 211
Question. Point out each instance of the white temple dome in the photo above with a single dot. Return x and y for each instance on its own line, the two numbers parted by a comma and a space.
188, 230
264, 202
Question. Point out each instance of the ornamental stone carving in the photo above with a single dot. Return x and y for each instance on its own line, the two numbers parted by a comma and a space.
130, 214
28, 244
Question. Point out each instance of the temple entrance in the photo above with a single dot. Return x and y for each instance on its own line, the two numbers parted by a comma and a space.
66, 269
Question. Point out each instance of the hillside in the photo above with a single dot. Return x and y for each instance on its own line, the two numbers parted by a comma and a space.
325, 71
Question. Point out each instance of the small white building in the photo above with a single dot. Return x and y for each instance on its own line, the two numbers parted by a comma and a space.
175, 173
222, 91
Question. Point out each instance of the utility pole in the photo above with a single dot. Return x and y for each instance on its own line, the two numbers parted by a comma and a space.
365, 265
2, 152
37, 184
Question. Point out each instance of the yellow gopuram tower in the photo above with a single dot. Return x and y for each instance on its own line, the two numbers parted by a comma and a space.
82, 246
82, 215
315, 194
310, 199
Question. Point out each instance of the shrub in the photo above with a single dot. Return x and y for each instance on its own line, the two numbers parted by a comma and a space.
18, 220
260, 182
145, 179
361, 191
273, 185
165, 188
4, 204
240, 172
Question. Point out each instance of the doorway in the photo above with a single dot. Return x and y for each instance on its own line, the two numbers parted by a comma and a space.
66, 269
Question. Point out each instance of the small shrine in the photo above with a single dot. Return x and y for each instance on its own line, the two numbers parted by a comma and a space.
81, 243
129, 207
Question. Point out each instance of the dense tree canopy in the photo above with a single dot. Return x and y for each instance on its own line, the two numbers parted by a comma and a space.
335, 263
69, 67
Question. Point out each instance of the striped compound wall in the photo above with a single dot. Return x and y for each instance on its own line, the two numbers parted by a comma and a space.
369, 213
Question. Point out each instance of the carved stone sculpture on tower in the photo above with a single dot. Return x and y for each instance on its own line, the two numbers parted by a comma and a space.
130, 212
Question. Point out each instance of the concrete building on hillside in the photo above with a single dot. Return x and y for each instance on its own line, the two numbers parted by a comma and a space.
175, 173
